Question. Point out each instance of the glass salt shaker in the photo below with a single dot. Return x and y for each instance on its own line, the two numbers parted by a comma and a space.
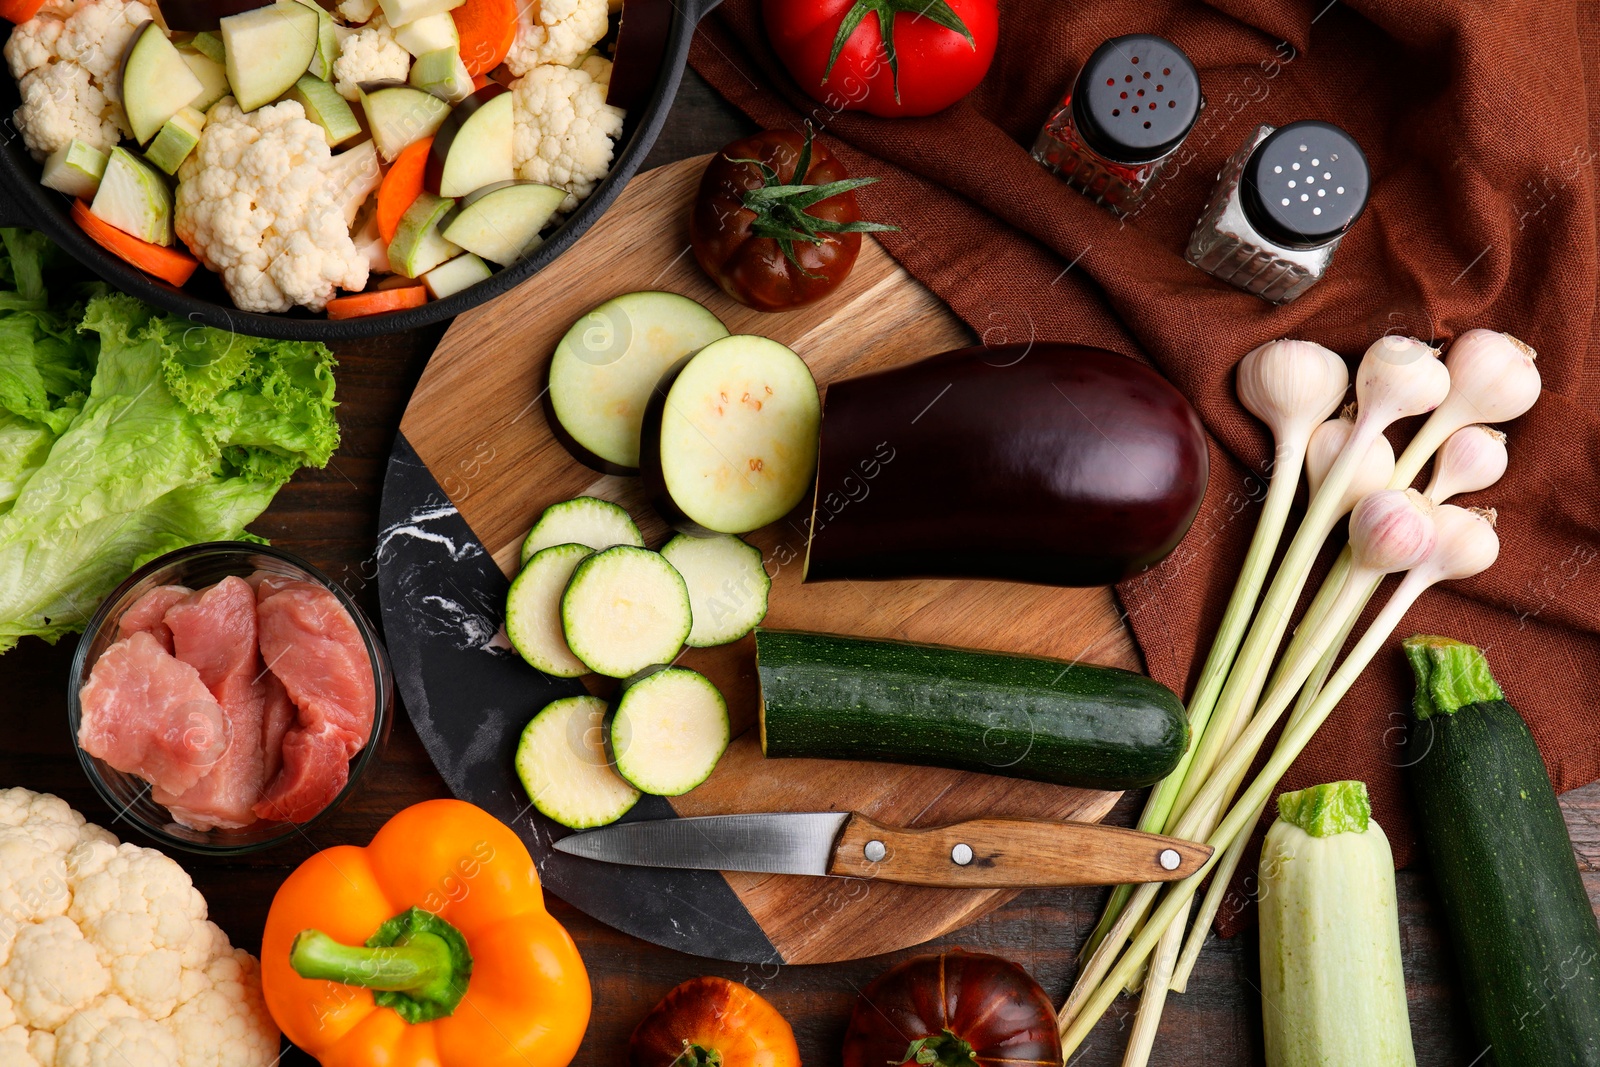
1282, 204
1131, 106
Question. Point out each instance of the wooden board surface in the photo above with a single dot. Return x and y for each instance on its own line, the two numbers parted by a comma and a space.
477, 422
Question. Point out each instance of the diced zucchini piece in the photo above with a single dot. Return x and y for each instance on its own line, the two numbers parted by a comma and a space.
266, 50
156, 81
561, 760
624, 610
400, 12
418, 247
177, 139
533, 610
326, 108
669, 731
321, 64
208, 44
75, 169
727, 582
454, 275
443, 74
134, 198
213, 79
399, 115
429, 34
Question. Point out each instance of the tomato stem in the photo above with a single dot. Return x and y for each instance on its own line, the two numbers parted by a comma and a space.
937, 11
941, 1050
780, 208
697, 1056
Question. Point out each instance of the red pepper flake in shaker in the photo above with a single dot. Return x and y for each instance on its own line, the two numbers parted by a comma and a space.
1133, 103
1282, 204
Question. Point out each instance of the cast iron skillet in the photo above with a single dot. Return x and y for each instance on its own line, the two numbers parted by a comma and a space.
655, 38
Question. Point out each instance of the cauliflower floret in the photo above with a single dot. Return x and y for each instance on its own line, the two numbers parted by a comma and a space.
556, 31
52, 974
564, 127
262, 201
149, 924
111, 1033
65, 60
106, 956
226, 1023
355, 12
371, 54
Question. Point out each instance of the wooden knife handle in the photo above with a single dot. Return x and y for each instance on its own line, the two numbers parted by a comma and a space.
1011, 854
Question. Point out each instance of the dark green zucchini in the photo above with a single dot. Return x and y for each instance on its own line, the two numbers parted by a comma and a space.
1524, 933
829, 697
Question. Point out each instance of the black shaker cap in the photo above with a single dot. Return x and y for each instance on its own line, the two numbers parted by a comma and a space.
1305, 184
1136, 98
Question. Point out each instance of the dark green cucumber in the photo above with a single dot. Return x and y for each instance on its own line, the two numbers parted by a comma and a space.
829, 697
1524, 933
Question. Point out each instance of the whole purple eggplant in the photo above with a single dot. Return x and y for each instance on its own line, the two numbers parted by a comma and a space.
1051, 463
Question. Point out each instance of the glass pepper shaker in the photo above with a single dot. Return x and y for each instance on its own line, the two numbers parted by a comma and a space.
1281, 205
1129, 109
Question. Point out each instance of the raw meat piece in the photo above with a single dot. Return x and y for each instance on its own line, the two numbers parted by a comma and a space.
147, 613
215, 632
148, 713
311, 643
280, 715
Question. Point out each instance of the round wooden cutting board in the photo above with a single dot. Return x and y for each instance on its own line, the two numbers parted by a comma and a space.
475, 463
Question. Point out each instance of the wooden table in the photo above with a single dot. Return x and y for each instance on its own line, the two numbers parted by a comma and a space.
330, 517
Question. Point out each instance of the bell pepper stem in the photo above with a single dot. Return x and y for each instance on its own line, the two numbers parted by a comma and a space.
416, 963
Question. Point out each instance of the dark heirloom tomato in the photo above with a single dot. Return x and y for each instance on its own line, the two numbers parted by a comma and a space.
776, 223
954, 1008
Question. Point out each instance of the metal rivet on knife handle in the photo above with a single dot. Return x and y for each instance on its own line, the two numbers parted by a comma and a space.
1169, 859
875, 851
961, 855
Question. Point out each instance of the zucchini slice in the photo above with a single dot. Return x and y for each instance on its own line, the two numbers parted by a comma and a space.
605, 367
729, 441
829, 697
728, 586
625, 609
583, 520
533, 610
562, 763
669, 731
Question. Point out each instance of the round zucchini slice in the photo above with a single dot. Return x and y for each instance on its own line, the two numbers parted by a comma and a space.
728, 586
583, 520
669, 731
562, 763
625, 609
533, 610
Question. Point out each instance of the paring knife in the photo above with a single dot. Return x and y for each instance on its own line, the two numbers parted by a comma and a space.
981, 853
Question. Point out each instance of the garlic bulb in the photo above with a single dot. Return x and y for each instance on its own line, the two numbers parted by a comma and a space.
1292, 385
1492, 379
1399, 376
1391, 530
1472, 458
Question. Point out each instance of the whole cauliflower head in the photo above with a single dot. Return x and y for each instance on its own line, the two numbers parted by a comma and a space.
556, 31
107, 958
65, 60
262, 201
370, 54
564, 127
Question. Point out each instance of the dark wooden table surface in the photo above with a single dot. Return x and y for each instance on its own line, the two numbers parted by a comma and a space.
330, 517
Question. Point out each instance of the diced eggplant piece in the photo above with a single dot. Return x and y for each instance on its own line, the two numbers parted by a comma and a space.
472, 149
267, 49
1055, 463
156, 81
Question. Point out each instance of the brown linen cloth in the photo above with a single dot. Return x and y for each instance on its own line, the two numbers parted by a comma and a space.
1476, 119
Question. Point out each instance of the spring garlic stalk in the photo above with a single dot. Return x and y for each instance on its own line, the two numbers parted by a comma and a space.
1291, 386
1465, 544
1398, 377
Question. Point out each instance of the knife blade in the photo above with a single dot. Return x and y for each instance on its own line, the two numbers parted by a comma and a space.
978, 853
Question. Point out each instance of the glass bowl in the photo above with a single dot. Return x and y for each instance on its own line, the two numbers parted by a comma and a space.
198, 566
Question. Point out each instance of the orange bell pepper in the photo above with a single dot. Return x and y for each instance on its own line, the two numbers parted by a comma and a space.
442, 915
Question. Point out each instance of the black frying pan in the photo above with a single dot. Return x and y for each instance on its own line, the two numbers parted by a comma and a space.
652, 48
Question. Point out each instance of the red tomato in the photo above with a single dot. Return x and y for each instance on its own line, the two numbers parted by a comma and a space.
775, 252
938, 50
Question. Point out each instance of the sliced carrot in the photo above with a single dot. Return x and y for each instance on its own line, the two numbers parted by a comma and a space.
168, 264
401, 186
19, 11
377, 302
487, 29
479, 81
